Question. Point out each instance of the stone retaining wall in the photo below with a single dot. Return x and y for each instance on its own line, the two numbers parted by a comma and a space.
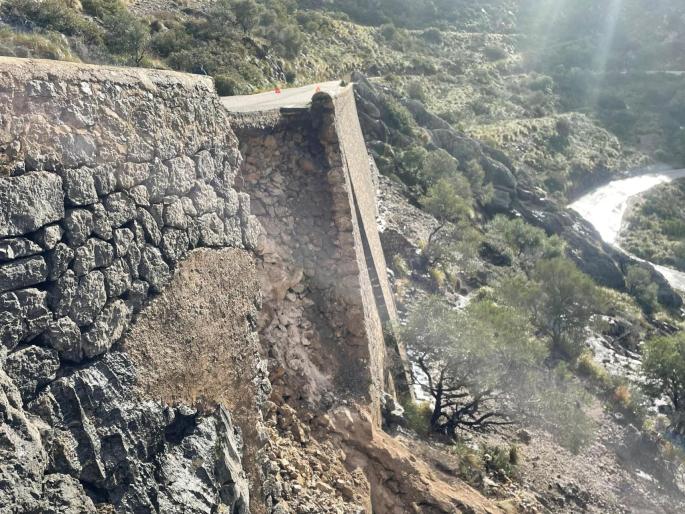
307, 173
108, 178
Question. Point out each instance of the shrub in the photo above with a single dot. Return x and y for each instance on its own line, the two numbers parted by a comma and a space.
501, 460
438, 276
52, 15
432, 36
664, 367
417, 415
416, 91
400, 265
495, 53
226, 85
640, 285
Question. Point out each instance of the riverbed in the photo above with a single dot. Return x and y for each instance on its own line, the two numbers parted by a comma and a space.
606, 206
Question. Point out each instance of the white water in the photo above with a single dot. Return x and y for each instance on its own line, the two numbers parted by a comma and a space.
606, 206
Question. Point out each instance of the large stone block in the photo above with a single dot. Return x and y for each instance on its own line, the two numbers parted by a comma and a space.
89, 299
79, 186
17, 247
153, 269
23, 273
107, 329
29, 201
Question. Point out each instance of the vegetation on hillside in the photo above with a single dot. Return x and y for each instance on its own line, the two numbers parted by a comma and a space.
655, 226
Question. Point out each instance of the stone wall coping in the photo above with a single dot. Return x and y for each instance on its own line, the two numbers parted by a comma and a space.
50, 70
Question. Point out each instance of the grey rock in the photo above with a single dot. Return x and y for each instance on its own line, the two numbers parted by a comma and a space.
12, 326
30, 368
64, 336
123, 238
231, 202
79, 186
96, 253
76, 149
140, 195
133, 258
130, 174
89, 299
189, 207
174, 215
212, 232
59, 260
498, 174
23, 458
204, 198
233, 232
206, 168
48, 237
174, 244
108, 328
63, 494
147, 457
149, 225
251, 233
181, 175
17, 247
105, 179
102, 225
35, 312
158, 182
117, 278
137, 295
157, 212
23, 273
29, 201
153, 269
61, 293
193, 232
79, 226
120, 208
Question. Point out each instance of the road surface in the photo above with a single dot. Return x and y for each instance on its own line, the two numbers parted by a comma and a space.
606, 206
292, 98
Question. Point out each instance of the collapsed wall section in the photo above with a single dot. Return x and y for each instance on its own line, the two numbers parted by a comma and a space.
307, 173
109, 177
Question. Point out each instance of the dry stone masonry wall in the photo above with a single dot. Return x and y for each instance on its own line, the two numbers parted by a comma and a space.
108, 178
307, 173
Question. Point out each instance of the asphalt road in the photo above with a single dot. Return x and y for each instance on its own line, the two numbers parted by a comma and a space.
294, 97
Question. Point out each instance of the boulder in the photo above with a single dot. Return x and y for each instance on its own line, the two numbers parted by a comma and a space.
48, 237
104, 179
102, 225
29, 201
117, 278
174, 244
61, 293
130, 174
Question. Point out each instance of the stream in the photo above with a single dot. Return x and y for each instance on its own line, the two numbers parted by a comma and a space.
606, 206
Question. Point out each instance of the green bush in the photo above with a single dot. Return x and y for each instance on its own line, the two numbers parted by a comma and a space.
53, 15
417, 414
495, 53
640, 286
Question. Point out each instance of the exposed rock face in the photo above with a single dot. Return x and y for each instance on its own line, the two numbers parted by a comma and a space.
92, 160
